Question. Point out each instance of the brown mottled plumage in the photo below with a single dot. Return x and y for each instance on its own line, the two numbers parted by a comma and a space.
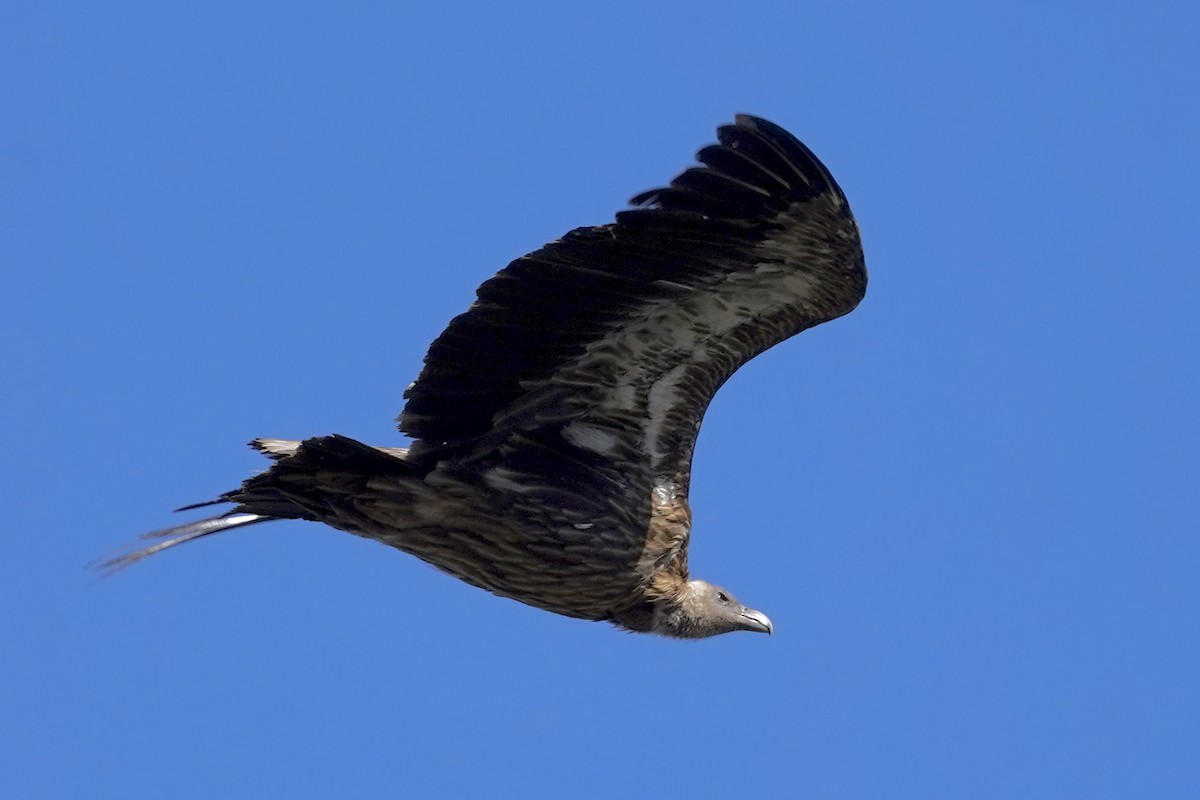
554, 422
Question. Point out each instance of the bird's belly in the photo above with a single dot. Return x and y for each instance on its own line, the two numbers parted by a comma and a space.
516, 547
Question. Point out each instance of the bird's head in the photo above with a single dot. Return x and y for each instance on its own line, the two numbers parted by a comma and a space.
706, 610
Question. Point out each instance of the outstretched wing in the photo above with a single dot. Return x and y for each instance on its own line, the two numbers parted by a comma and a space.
612, 341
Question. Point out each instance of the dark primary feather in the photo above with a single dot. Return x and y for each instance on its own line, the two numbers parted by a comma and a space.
553, 423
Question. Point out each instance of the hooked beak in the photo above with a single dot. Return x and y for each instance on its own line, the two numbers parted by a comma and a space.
755, 621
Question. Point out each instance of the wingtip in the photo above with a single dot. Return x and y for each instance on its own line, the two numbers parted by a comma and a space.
786, 142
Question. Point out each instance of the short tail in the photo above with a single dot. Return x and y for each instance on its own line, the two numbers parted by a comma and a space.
308, 480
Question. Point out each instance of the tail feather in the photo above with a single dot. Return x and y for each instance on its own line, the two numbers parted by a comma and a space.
309, 480
276, 449
169, 537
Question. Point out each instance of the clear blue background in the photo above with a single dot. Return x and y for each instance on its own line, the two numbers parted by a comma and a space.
969, 507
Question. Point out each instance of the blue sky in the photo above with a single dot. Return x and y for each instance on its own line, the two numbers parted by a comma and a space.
969, 507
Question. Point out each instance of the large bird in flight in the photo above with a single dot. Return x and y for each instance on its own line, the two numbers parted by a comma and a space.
553, 423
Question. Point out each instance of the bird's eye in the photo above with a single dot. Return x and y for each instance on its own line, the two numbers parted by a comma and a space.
722, 597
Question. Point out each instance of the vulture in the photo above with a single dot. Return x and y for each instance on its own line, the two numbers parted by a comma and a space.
553, 423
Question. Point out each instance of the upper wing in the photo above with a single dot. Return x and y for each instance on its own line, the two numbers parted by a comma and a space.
611, 341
